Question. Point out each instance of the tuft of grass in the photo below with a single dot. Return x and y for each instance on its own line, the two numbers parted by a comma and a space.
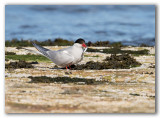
38, 58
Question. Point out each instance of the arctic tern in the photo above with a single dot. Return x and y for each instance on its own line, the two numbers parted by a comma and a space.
67, 56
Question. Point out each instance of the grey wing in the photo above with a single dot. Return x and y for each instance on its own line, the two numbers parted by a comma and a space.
68, 49
42, 50
61, 57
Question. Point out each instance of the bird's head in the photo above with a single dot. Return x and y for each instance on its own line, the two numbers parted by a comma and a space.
82, 42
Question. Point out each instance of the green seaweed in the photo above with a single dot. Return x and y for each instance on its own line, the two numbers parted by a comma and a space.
28, 57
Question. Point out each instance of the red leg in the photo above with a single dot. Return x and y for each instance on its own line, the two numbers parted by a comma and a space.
70, 67
66, 67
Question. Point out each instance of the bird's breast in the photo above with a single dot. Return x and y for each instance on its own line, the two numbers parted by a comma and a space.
77, 54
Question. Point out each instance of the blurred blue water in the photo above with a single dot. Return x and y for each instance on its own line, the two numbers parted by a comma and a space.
131, 24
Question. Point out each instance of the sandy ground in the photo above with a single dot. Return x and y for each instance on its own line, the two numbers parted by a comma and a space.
115, 90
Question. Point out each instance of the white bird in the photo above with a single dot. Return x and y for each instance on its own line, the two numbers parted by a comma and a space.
67, 56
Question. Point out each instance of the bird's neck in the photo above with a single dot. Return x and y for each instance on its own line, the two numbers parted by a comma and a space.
77, 45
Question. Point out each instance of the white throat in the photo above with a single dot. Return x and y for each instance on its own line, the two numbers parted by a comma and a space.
78, 45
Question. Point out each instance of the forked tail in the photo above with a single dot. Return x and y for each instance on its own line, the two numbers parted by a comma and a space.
41, 49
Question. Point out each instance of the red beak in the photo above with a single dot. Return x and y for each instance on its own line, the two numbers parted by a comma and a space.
84, 45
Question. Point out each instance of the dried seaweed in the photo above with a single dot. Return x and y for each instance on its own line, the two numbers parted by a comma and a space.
19, 64
119, 51
124, 61
10, 53
75, 80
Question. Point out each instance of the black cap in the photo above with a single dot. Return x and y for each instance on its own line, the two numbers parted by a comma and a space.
80, 41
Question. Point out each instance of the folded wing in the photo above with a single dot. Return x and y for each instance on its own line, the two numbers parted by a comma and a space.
60, 57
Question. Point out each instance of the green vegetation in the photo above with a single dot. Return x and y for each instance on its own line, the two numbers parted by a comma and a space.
28, 43
38, 58
62, 42
91, 56
17, 43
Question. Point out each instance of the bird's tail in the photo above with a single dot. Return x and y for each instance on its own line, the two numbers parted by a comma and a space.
32, 51
42, 50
